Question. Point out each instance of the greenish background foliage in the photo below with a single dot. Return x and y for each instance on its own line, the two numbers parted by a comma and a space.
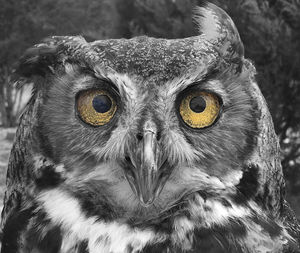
270, 30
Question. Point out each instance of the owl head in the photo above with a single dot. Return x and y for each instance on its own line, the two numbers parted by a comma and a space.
131, 142
134, 128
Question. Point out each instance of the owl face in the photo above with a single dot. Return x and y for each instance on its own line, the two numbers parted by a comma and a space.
150, 140
147, 122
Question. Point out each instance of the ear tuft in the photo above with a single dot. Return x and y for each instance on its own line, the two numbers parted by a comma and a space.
36, 60
207, 21
217, 27
44, 57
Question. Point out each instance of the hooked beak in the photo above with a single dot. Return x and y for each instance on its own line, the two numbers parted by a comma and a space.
145, 168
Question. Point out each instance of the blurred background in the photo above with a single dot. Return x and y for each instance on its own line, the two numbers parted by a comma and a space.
270, 30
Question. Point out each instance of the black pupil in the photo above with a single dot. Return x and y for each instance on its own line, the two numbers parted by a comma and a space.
197, 104
101, 103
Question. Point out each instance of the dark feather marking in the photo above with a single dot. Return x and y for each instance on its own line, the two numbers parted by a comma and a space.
14, 226
225, 202
82, 247
236, 227
248, 185
163, 225
94, 201
269, 226
51, 243
163, 247
48, 177
215, 240
37, 233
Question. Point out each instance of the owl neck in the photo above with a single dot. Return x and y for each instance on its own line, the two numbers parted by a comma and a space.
218, 224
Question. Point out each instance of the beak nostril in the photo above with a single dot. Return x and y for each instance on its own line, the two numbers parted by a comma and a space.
139, 136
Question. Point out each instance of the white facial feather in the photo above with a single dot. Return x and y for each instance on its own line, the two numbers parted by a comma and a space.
65, 211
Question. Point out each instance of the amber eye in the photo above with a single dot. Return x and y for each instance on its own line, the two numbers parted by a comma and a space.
199, 109
96, 107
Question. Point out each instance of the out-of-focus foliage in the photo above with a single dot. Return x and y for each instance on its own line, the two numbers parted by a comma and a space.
270, 30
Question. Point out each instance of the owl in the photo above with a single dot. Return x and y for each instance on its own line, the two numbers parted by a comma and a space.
146, 145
